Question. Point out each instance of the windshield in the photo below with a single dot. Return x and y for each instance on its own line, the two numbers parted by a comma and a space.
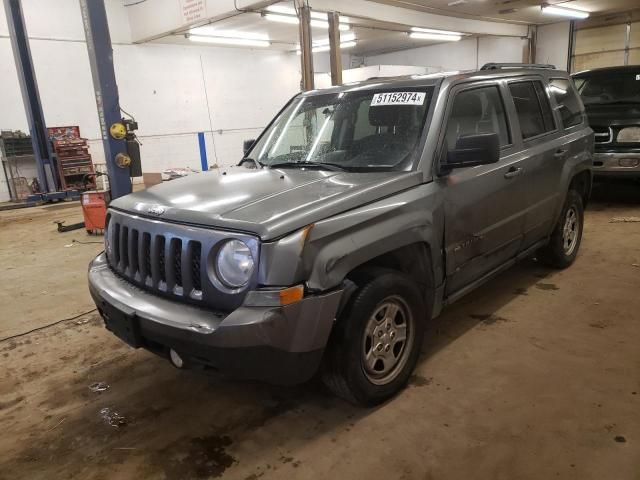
355, 131
609, 87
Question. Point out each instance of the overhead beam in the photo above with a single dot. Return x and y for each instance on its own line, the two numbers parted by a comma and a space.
335, 53
372, 10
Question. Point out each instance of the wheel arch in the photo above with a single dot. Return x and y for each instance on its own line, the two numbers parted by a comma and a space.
582, 182
415, 260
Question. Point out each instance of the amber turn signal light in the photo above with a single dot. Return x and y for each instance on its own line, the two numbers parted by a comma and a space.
291, 295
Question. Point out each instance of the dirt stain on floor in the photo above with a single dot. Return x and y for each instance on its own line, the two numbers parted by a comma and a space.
488, 318
201, 458
546, 286
419, 381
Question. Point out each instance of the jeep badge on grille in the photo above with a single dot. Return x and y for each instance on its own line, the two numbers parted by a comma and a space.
156, 210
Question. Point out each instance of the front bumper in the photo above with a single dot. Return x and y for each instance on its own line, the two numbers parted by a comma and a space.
280, 345
613, 164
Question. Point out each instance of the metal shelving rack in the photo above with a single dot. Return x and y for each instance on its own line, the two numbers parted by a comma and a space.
16, 150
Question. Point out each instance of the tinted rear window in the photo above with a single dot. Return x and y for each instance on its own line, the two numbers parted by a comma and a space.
533, 108
569, 105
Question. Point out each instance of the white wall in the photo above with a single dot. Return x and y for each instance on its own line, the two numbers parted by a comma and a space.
173, 91
467, 54
552, 44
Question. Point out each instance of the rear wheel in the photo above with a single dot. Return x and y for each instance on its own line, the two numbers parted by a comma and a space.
567, 234
376, 341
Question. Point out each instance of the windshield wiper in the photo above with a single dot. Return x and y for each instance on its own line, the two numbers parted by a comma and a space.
327, 166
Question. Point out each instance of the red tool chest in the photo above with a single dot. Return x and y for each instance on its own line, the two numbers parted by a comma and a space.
73, 159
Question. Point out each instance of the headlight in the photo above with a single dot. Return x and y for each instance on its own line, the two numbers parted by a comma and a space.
629, 135
234, 264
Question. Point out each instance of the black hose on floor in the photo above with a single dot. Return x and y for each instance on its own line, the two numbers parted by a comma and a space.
57, 322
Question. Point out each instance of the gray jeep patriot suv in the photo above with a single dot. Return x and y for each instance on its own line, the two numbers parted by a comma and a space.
354, 218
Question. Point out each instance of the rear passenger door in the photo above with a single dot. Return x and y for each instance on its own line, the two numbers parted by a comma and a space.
484, 205
543, 155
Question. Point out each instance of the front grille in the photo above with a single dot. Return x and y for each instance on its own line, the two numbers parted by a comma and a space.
176, 253
602, 134
195, 265
171, 259
162, 268
145, 264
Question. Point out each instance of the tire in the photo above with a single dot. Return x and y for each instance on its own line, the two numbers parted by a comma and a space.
563, 248
346, 370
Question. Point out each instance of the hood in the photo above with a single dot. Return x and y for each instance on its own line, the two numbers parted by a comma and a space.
267, 202
612, 115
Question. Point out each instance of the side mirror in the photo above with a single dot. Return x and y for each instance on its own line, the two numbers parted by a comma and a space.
473, 150
247, 144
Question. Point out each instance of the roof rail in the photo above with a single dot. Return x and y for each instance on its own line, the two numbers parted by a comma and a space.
497, 66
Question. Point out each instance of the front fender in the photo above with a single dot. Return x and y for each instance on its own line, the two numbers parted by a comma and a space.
338, 245
321, 255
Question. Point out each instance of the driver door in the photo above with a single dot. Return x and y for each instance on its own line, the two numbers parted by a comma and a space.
484, 205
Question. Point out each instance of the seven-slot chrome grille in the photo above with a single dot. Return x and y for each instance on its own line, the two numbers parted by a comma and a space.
173, 260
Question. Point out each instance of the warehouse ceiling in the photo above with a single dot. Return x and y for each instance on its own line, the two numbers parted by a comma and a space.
522, 11
371, 36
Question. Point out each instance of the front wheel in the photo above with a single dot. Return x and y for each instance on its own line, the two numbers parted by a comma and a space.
376, 341
567, 234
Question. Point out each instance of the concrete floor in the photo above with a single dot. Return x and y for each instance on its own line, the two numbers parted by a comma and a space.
535, 375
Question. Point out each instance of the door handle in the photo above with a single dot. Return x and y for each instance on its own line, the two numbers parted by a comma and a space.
513, 172
560, 154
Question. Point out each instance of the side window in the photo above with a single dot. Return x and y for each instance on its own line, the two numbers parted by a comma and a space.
568, 102
535, 116
547, 116
476, 111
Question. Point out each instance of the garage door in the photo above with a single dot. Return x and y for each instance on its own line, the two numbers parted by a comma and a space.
613, 44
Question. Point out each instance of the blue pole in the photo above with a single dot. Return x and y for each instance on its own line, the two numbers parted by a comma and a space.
96, 30
30, 94
203, 152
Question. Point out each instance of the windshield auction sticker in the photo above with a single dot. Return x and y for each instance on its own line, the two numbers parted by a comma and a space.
398, 98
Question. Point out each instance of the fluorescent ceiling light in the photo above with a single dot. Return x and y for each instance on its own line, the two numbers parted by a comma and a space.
284, 10
243, 42
284, 14
210, 31
564, 11
294, 21
343, 27
438, 32
326, 48
347, 37
281, 18
434, 36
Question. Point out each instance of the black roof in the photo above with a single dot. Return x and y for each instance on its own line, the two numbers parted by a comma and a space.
618, 69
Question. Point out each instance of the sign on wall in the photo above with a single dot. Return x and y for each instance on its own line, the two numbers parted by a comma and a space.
193, 10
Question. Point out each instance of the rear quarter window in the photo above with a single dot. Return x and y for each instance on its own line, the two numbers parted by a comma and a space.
532, 106
569, 105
